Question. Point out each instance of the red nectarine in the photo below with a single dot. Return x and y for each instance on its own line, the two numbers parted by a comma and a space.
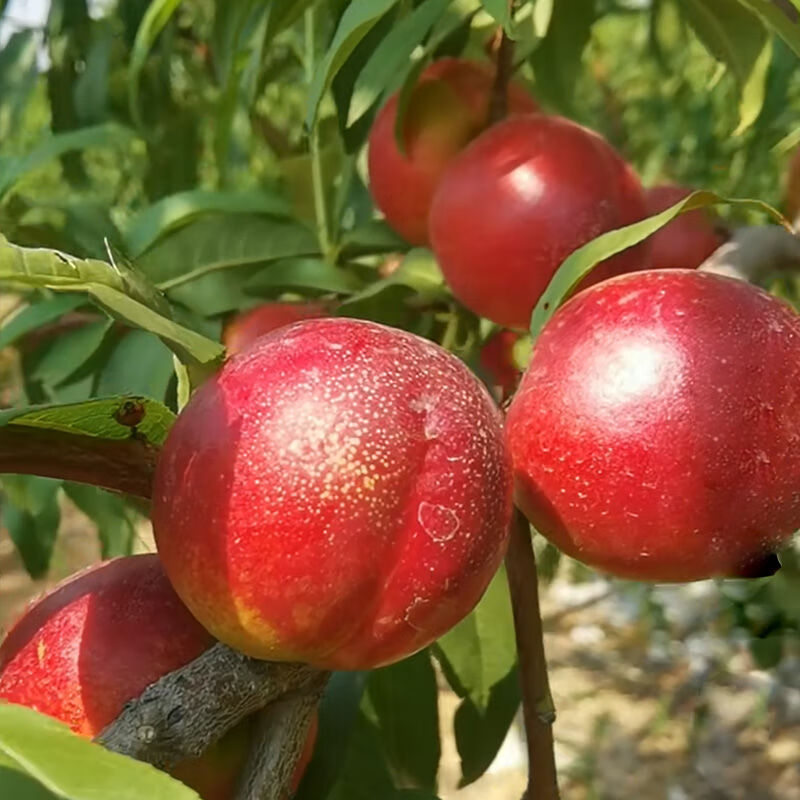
98, 640
448, 107
689, 239
517, 201
243, 329
656, 432
339, 494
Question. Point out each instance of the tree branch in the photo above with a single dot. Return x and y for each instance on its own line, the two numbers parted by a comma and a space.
279, 741
188, 710
537, 703
754, 251
125, 465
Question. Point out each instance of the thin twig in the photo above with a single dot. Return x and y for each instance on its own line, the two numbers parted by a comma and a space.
537, 703
498, 99
280, 738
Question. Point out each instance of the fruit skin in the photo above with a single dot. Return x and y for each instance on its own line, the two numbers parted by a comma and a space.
339, 494
448, 108
98, 640
517, 201
655, 433
243, 329
497, 362
689, 239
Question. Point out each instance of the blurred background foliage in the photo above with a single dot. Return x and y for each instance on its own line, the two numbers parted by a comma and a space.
180, 138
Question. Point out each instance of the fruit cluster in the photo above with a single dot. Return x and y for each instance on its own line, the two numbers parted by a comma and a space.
340, 492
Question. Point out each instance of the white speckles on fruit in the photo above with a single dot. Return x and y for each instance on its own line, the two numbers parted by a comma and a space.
361, 471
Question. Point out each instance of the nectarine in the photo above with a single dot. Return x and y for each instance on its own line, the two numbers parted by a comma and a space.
517, 201
339, 495
689, 239
448, 107
656, 432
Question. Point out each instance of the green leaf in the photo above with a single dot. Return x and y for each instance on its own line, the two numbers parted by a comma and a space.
372, 238
777, 20
95, 418
12, 168
736, 38
68, 353
582, 260
50, 269
499, 10
383, 66
169, 213
338, 718
35, 315
119, 290
418, 271
31, 517
19, 786
481, 649
222, 241
480, 734
354, 25
557, 60
152, 374
91, 88
74, 768
303, 273
283, 13
18, 76
364, 773
110, 515
156, 17
402, 702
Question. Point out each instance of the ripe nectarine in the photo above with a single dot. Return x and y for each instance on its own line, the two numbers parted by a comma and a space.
339, 494
656, 432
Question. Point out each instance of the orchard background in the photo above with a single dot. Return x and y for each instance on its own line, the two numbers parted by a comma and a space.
218, 150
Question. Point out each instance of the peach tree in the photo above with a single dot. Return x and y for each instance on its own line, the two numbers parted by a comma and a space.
271, 271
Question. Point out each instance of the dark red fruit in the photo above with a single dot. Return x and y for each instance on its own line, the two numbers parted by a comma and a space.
497, 362
243, 329
339, 494
656, 432
689, 239
516, 202
448, 108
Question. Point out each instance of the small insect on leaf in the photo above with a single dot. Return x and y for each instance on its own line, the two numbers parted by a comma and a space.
130, 413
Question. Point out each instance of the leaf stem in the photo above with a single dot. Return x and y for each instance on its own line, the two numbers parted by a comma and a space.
317, 174
537, 703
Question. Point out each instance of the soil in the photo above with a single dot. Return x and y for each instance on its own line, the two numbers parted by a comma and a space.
638, 719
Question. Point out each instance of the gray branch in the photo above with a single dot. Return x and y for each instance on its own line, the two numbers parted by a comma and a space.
190, 709
279, 741
753, 252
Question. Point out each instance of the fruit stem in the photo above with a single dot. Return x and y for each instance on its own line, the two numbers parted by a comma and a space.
317, 175
538, 710
498, 99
